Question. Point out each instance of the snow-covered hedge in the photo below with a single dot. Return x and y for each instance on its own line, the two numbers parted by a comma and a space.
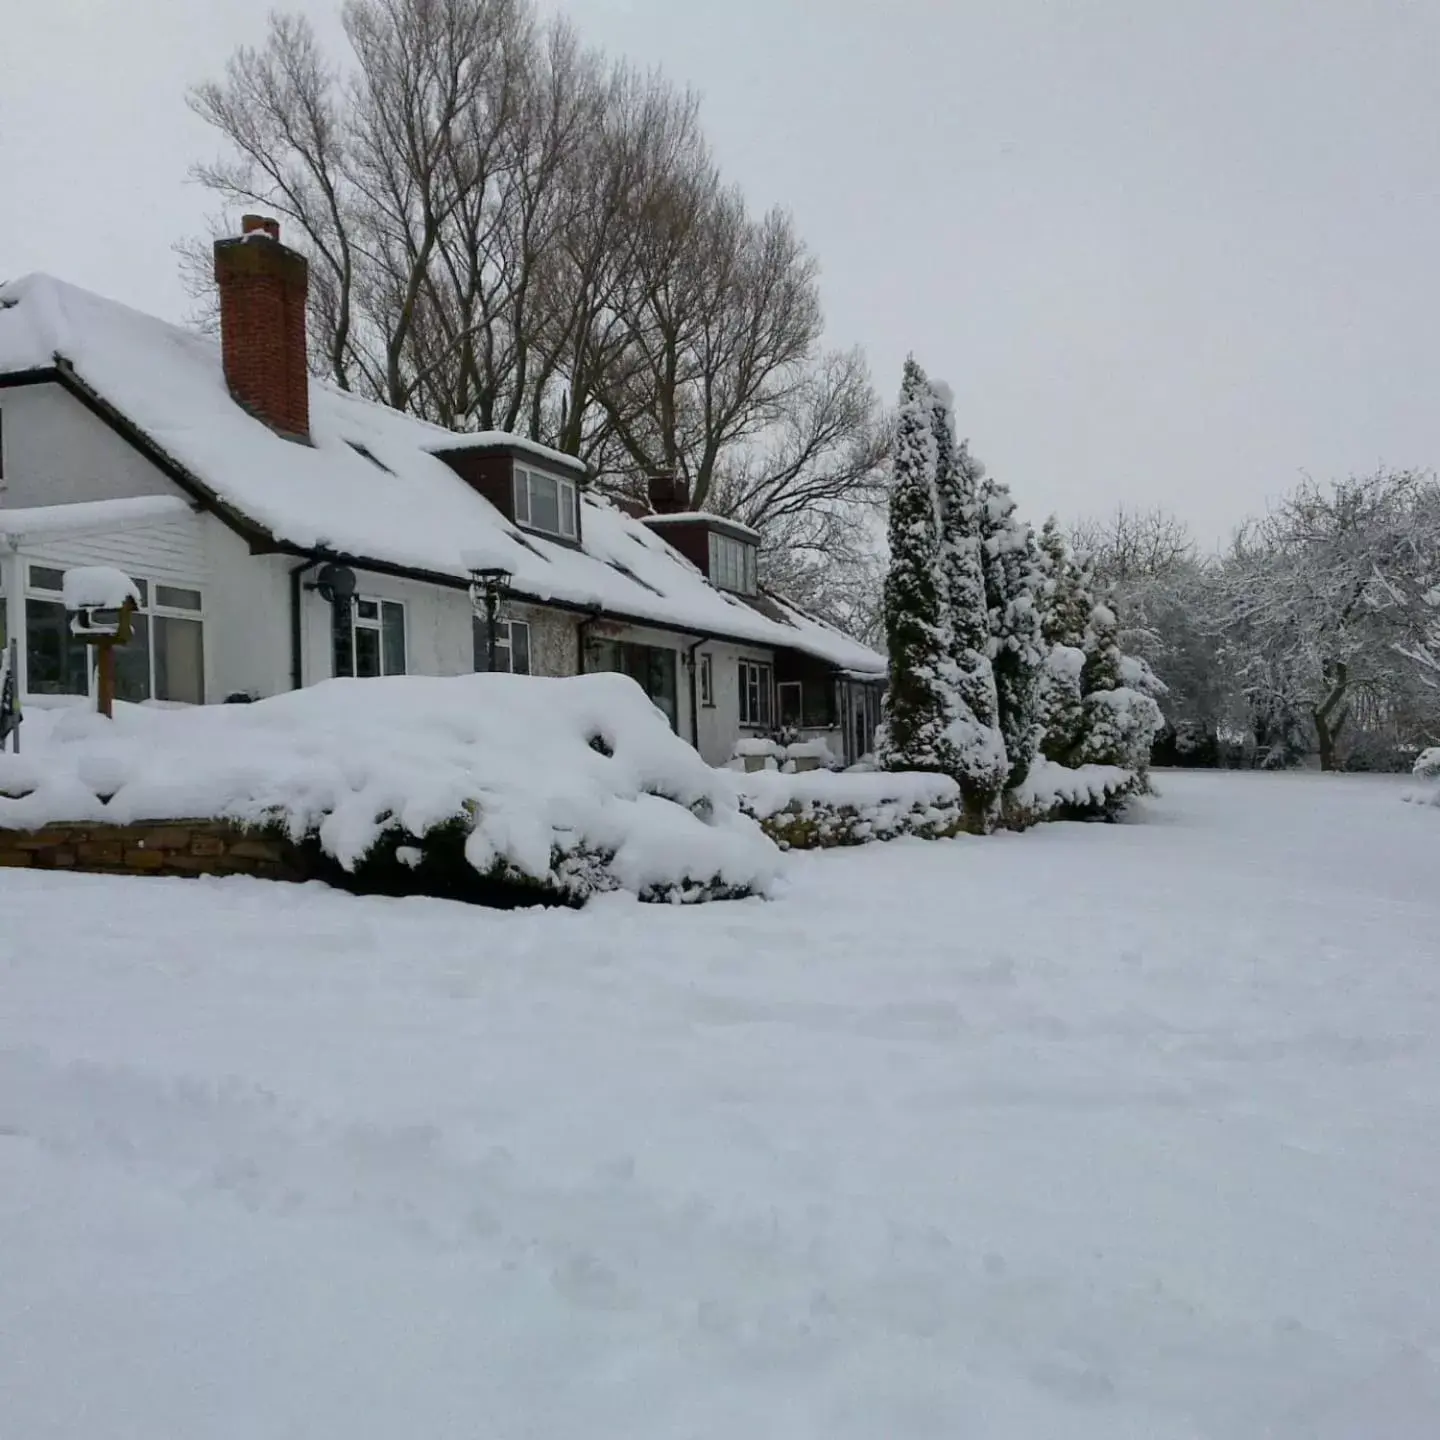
1427, 767
569, 786
817, 809
1055, 792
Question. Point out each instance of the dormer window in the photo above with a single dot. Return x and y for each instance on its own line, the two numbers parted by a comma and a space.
732, 564
546, 503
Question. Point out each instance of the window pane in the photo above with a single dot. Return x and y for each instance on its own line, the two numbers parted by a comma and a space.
56, 662
762, 673
143, 586
522, 496
172, 596
567, 509
44, 578
544, 503
343, 634
707, 680
751, 582
519, 648
367, 609
790, 703
393, 630
367, 652
179, 660
132, 663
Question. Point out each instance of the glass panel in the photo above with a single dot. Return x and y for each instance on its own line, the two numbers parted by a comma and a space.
818, 703
567, 509
367, 652
393, 633
660, 681
173, 596
707, 680
132, 663
751, 580
343, 634
56, 662
519, 648
714, 558
522, 497
44, 578
367, 609
763, 672
179, 660
544, 503
143, 586
790, 711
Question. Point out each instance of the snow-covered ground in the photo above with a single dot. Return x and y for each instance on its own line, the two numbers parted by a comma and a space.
1127, 1131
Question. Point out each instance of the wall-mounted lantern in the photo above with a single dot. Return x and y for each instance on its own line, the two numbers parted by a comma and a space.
489, 585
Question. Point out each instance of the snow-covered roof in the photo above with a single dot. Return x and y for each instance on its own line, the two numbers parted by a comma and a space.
391, 500
691, 517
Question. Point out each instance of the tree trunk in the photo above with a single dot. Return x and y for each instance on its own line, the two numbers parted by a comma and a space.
1337, 674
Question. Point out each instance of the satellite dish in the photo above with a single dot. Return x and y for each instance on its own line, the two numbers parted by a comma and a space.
335, 582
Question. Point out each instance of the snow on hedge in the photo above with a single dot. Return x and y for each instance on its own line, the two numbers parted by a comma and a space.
819, 808
577, 785
1050, 789
1427, 767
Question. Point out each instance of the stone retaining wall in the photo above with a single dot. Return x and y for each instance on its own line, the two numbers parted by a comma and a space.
176, 847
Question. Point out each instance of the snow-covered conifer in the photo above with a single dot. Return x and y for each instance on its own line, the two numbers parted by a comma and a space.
978, 749
919, 702
1014, 586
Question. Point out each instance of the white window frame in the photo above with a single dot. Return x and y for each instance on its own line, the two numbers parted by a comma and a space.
150, 607
567, 498
504, 641
763, 717
377, 624
732, 563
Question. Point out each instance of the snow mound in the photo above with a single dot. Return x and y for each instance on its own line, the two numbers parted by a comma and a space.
98, 587
576, 785
1427, 767
821, 808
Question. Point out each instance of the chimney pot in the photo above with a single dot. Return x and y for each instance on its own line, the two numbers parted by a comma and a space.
263, 289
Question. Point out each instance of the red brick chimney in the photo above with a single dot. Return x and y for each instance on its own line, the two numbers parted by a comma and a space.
669, 495
263, 286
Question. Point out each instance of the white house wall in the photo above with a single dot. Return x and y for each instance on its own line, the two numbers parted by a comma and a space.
720, 724
58, 453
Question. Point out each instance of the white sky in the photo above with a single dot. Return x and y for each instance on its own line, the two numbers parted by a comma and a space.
1167, 252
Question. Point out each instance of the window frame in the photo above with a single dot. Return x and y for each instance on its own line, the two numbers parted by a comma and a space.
567, 500
707, 681
507, 627
150, 610
760, 716
733, 564
375, 625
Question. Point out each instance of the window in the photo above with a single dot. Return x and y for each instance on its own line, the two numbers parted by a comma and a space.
163, 660
732, 564
652, 667
369, 638
754, 694
512, 646
546, 503
707, 681
787, 697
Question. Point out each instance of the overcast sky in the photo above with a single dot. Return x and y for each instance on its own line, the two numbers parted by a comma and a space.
1169, 252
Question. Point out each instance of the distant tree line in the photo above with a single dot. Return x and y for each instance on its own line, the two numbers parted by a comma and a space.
1314, 635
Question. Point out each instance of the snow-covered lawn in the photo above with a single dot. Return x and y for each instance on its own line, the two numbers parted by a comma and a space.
1127, 1131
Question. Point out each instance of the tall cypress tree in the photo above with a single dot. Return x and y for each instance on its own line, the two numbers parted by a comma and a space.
1014, 587
913, 735
979, 758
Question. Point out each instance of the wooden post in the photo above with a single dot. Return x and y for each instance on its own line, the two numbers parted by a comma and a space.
105, 663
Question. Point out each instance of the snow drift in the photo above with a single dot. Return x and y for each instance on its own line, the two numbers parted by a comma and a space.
575, 786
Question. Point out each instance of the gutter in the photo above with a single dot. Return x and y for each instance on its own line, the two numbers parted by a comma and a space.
297, 672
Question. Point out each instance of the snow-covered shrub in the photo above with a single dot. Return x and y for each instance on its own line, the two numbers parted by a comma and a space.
819, 809
1058, 792
570, 786
1427, 764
